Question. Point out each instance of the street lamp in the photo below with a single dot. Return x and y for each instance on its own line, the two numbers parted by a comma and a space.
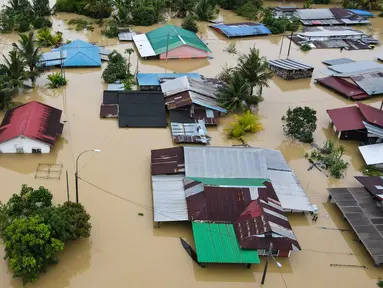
76, 175
267, 263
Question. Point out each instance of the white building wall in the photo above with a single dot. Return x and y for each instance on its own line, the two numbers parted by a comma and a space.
25, 143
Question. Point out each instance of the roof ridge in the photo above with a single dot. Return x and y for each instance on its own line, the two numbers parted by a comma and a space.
28, 117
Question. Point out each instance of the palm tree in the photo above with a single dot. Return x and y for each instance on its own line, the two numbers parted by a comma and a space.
205, 10
30, 51
122, 14
233, 95
41, 8
183, 7
18, 6
46, 39
254, 69
245, 123
99, 8
129, 51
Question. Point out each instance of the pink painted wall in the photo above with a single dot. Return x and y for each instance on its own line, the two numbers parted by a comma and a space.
185, 52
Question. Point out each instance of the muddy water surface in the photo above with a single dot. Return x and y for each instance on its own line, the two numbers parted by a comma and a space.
124, 249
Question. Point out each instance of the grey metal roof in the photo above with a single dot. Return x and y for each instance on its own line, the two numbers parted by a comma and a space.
104, 51
169, 200
371, 83
184, 83
356, 67
224, 162
313, 14
373, 130
192, 130
289, 64
126, 36
116, 87
372, 154
338, 61
289, 190
56, 55
274, 159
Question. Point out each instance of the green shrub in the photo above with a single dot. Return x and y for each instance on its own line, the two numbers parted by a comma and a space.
46, 39
246, 123
189, 23
300, 123
379, 283
370, 170
81, 24
41, 22
232, 49
117, 68
56, 80
144, 15
23, 26
250, 9
111, 30
305, 47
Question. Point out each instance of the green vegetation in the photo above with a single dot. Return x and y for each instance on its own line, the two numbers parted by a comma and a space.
189, 23
34, 230
232, 49
250, 9
81, 24
122, 15
21, 15
246, 123
279, 25
205, 10
329, 157
300, 123
245, 82
321, 1
307, 4
93, 8
370, 170
46, 39
111, 30
147, 12
362, 4
56, 80
30, 52
305, 47
379, 283
183, 7
118, 69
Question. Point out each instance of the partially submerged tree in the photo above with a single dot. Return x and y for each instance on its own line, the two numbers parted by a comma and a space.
30, 51
117, 69
56, 80
245, 123
183, 7
205, 10
46, 38
300, 123
189, 23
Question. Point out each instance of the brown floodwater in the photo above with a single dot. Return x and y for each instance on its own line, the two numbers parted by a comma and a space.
124, 249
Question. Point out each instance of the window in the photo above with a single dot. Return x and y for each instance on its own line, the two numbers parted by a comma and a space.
274, 252
36, 150
19, 149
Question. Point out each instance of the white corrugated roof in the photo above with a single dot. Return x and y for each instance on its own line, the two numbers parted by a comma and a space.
314, 14
372, 154
143, 45
169, 200
329, 33
355, 67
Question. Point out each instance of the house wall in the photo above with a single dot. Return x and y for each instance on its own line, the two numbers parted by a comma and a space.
185, 52
353, 135
264, 252
25, 143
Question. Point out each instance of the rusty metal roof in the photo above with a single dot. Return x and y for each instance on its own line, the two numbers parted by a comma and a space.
217, 204
109, 111
168, 161
343, 87
372, 114
346, 118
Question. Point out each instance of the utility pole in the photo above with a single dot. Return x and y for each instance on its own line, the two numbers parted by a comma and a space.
267, 263
280, 50
291, 36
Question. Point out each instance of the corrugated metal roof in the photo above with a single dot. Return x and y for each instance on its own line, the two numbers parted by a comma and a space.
216, 243
356, 67
80, 54
371, 114
231, 182
286, 8
109, 111
116, 87
190, 132
289, 191
338, 61
242, 29
153, 79
143, 46
216, 204
104, 51
363, 13
373, 131
183, 116
346, 118
126, 36
223, 162
288, 64
184, 83
371, 83
374, 184
314, 14
372, 154
274, 159
330, 33
343, 87
168, 161
55, 55
169, 201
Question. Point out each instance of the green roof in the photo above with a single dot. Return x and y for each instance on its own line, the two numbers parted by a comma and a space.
217, 243
235, 182
177, 38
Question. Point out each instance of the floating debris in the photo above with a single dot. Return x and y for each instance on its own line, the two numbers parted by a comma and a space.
347, 265
140, 214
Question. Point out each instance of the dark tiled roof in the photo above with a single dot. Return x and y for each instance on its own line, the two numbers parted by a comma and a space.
346, 118
373, 184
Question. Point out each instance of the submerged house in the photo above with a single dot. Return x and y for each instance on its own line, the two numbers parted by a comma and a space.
361, 122
152, 81
373, 155
284, 11
75, 54
244, 29
290, 69
362, 210
356, 80
30, 128
170, 42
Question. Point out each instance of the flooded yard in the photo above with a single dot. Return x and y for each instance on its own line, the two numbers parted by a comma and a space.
124, 249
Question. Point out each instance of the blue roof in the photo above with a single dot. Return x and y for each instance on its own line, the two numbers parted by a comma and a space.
81, 54
152, 79
363, 13
242, 29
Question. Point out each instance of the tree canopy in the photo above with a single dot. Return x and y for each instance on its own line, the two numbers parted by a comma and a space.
300, 123
34, 230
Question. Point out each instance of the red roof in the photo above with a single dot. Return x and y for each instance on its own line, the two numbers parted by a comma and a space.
33, 120
346, 118
371, 114
168, 161
343, 87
